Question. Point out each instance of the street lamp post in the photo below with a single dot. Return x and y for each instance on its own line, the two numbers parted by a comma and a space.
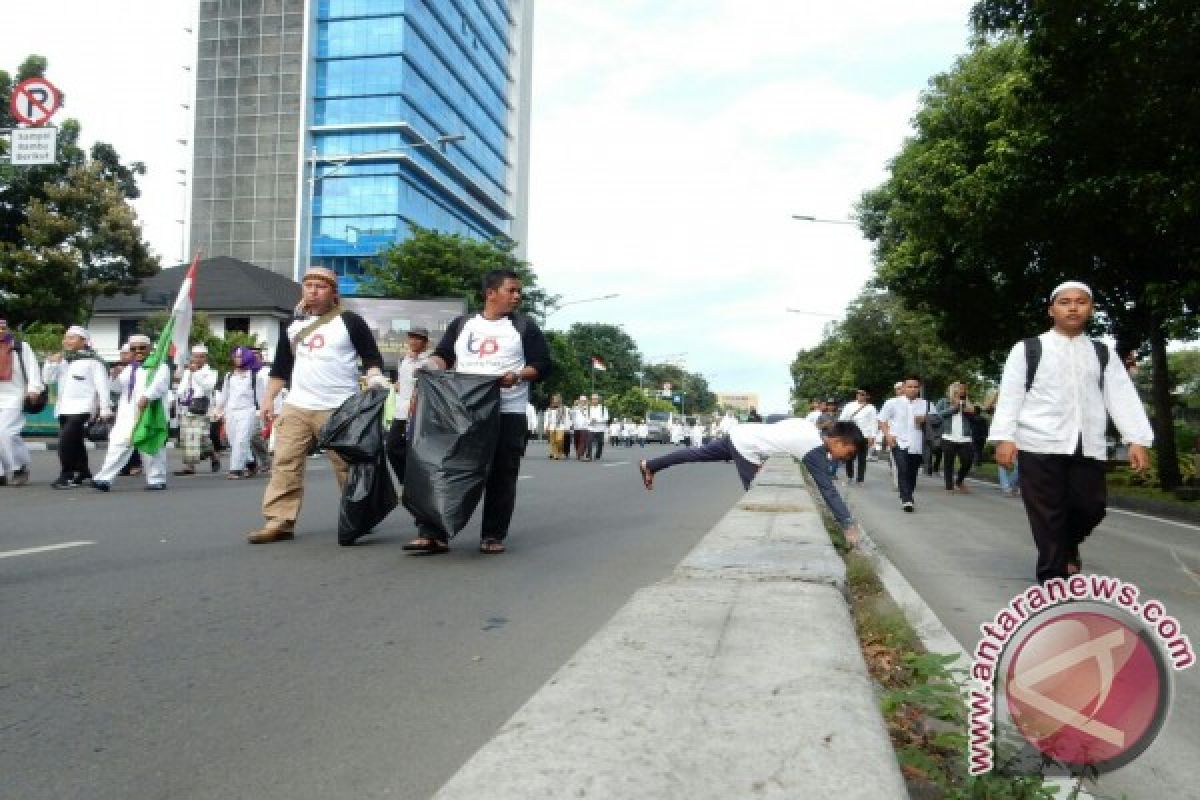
340, 163
561, 306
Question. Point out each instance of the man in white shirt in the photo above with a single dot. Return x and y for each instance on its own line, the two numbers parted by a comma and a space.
749, 445
197, 397
415, 357
497, 341
1056, 395
83, 392
318, 359
598, 425
901, 421
137, 391
20, 380
863, 414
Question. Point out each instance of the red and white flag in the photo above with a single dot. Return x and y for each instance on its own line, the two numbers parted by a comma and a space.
598, 364
181, 314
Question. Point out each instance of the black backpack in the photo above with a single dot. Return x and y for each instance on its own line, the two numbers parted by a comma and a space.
1033, 357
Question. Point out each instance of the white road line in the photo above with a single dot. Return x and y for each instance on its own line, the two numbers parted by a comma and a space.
1112, 510
1186, 569
615, 464
31, 550
524, 477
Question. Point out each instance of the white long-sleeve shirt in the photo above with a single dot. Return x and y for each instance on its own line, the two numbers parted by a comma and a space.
406, 380
196, 383
1065, 403
26, 378
864, 416
82, 386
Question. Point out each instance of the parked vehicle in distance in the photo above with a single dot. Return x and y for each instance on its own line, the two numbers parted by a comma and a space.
769, 418
659, 424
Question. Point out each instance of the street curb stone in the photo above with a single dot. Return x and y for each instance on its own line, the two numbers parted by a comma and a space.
738, 675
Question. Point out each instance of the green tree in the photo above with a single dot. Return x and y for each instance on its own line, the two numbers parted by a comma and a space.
1066, 146
431, 264
67, 231
635, 403
568, 377
614, 347
695, 396
220, 349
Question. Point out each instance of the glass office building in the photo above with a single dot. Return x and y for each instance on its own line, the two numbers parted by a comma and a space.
324, 128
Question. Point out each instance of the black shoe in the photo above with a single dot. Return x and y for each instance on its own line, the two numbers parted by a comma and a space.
908, 506
216, 464
64, 483
101, 486
154, 487
20, 477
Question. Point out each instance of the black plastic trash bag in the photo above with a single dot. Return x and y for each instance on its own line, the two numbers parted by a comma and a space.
452, 439
368, 498
355, 430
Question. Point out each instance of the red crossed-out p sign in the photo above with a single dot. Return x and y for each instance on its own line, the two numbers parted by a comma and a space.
34, 101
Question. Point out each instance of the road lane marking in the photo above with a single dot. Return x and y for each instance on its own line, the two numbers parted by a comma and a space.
616, 464
1112, 510
31, 550
1186, 569
524, 477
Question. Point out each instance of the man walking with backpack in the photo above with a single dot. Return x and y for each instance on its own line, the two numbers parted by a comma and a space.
1056, 394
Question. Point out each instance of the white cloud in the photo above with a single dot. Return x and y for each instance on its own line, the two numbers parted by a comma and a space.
672, 142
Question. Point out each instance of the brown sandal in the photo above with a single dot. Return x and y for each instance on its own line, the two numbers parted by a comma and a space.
491, 547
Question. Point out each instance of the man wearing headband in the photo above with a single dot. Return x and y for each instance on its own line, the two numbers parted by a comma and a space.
1056, 395
82, 379
319, 357
197, 387
136, 393
20, 381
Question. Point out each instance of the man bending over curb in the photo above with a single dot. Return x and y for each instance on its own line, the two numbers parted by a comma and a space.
750, 444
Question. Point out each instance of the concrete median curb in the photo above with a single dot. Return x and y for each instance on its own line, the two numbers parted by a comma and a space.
738, 675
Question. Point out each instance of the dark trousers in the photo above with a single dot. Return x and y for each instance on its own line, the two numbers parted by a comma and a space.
72, 452
597, 447
719, 449
567, 438
857, 465
1065, 499
397, 447
583, 444
907, 466
965, 453
933, 457
500, 494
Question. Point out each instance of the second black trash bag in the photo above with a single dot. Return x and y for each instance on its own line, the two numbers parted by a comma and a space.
368, 498
452, 439
355, 430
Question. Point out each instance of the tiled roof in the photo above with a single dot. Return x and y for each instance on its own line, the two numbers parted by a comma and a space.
222, 284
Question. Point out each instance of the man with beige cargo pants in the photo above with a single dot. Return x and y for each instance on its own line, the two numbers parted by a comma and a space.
319, 357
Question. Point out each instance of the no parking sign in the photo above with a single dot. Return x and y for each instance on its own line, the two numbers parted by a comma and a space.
34, 101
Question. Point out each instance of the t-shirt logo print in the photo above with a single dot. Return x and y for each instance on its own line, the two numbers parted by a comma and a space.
315, 342
486, 346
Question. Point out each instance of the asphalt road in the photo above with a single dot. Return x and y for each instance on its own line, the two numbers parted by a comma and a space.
968, 555
166, 658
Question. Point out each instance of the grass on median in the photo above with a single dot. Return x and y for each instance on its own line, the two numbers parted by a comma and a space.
921, 697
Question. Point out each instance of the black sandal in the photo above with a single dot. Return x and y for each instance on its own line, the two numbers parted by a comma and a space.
426, 546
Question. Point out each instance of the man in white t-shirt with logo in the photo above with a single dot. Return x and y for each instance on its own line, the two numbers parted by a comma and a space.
496, 341
318, 359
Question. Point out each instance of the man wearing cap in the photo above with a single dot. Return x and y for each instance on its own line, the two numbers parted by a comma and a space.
1056, 395
197, 388
82, 379
319, 357
136, 393
20, 380
415, 357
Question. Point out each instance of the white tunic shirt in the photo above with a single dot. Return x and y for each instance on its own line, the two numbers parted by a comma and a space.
901, 416
196, 383
1065, 403
82, 386
756, 441
864, 416
406, 381
240, 391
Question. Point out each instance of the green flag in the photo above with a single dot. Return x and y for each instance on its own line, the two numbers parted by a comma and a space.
150, 432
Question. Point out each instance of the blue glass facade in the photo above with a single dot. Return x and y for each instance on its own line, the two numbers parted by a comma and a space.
387, 79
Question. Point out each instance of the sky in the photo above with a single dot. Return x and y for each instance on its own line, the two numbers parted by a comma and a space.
671, 143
